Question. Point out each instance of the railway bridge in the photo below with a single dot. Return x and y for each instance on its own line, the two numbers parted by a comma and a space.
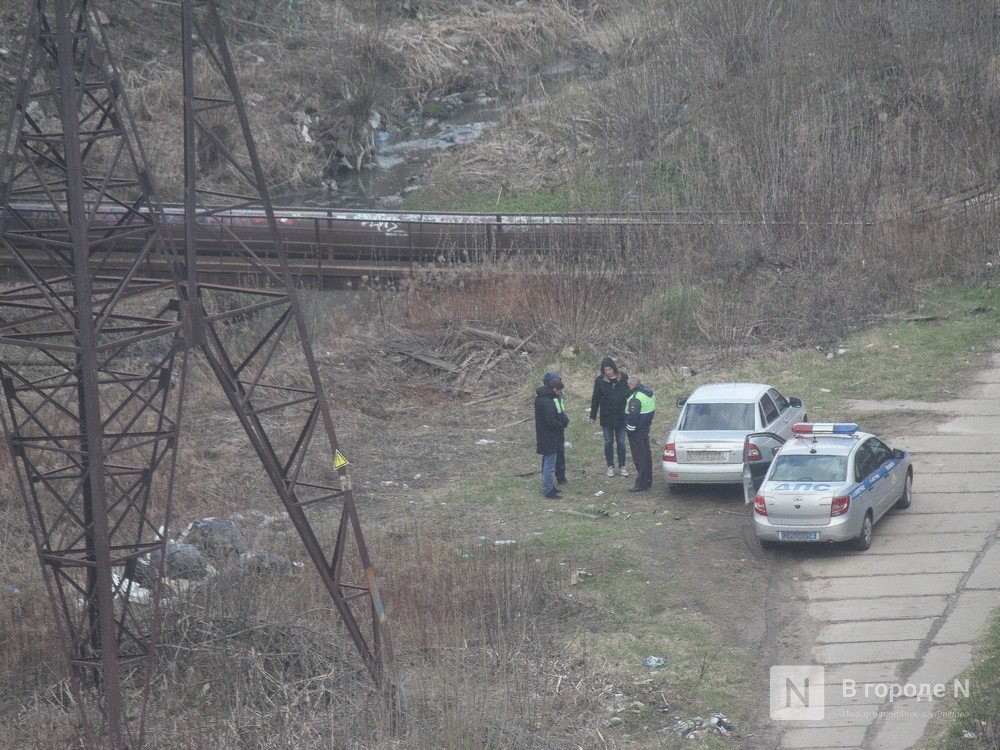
331, 249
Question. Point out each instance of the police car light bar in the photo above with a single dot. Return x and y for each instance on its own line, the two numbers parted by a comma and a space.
824, 428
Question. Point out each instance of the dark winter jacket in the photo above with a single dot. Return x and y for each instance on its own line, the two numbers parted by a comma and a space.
635, 418
550, 421
610, 396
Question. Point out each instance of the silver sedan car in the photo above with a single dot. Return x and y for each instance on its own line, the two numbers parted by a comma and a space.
706, 445
831, 483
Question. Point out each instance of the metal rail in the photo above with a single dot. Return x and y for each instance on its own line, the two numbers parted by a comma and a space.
331, 248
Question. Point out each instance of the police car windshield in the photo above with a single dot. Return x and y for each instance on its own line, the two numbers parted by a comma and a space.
718, 417
811, 468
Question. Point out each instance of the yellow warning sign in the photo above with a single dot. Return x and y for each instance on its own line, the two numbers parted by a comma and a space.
339, 461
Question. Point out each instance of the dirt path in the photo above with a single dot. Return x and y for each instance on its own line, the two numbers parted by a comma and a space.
908, 611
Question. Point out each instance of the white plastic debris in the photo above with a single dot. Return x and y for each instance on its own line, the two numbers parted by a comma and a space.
654, 662
484, 441
824, 390
598, 493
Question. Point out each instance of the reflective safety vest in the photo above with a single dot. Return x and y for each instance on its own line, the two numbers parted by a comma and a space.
646, 403
560, 407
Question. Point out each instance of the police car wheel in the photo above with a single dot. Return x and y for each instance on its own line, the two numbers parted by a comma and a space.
907, 497
863, 540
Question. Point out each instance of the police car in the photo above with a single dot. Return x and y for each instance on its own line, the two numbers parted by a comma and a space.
830, 483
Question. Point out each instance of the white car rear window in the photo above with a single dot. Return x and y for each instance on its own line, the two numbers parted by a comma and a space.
718, 417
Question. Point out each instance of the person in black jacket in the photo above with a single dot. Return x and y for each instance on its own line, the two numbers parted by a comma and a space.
610, 394
551, 420
640, 409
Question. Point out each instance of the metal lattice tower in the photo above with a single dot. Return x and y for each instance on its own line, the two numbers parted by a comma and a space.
93, 364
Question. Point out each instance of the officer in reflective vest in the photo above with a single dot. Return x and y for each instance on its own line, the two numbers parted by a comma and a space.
640, 408
550, 425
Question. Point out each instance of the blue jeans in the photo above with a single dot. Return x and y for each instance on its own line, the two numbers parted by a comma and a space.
548, 472
613, 435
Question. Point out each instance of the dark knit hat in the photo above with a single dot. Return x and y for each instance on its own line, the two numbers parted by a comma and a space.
548, 377
609, 362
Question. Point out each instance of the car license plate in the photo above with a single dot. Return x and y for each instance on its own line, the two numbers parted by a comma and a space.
798, 536
707, 457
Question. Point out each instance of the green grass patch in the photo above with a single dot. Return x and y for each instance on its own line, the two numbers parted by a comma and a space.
979, 714
590, 193
432, 109
927, 355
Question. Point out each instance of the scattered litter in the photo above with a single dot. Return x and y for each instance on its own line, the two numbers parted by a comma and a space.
389, 483
598, 434
654, 662
895, 346
613, 721
967, 735
569, 444
504, 542
598, 493
484, 441
824, 390
578, 574
842, 351
417, 476
829, 355
697, 727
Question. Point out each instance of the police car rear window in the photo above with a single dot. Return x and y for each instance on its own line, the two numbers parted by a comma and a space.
718, 417
811, 468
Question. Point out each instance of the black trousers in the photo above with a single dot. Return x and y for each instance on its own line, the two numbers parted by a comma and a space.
638, 443
561, 462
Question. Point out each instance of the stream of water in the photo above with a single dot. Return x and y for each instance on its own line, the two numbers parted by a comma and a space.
402, 154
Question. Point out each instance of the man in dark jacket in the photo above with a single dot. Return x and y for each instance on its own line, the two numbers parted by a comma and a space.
640, 408
550, 425
610, 393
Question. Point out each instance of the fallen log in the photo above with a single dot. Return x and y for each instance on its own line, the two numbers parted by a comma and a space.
502, 340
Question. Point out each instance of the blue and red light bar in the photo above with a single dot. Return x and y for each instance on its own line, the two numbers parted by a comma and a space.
824, 428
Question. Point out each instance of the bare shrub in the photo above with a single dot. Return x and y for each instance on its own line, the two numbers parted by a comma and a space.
476, 624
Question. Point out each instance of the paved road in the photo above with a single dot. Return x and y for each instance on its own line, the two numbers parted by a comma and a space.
909, 610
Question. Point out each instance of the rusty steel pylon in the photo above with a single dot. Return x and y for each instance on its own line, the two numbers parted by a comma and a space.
93, 364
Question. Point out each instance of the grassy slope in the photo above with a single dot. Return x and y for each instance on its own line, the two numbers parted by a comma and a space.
646, 597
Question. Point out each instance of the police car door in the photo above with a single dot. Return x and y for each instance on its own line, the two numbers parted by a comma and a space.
888, 483
864, 470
